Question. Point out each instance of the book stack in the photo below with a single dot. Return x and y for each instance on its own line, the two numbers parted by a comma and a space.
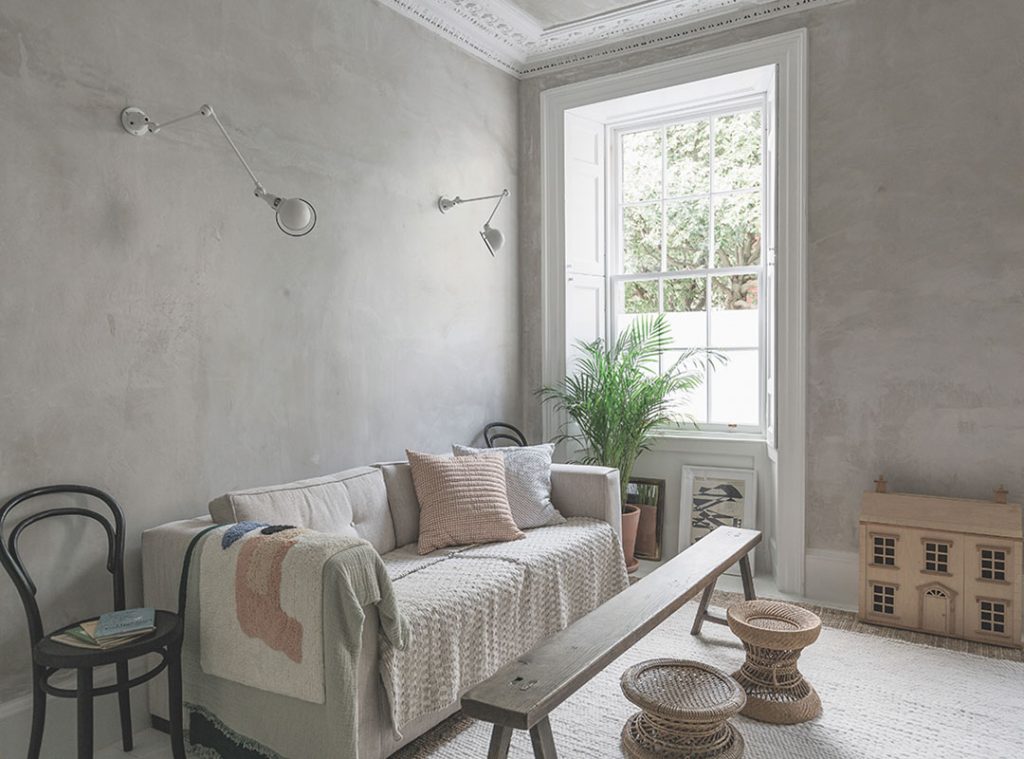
113, 629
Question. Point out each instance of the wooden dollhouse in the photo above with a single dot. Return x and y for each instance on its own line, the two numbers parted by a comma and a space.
946, 566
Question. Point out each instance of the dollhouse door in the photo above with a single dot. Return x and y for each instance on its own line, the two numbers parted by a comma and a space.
935, 611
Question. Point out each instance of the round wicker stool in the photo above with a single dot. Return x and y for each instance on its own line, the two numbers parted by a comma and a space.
774, 634
686, 706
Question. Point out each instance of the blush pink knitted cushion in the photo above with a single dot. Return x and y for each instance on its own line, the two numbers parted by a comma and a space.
463, 500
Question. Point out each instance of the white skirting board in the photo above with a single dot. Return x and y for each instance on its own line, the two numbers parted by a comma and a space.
830, 577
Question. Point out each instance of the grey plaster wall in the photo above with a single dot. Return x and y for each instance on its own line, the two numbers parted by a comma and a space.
916, 274
159, 337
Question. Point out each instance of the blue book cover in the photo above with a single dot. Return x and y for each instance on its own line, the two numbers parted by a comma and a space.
115, 623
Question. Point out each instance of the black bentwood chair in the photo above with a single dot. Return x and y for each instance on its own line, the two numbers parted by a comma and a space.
496, 432
49, 656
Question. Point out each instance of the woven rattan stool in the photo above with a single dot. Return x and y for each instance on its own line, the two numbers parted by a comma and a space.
686, 706
774, 634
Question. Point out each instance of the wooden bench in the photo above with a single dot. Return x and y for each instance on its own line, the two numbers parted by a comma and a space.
522, 694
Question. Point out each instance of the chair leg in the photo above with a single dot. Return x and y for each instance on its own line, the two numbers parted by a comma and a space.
85, 713
124, 700
35, 743
174, 706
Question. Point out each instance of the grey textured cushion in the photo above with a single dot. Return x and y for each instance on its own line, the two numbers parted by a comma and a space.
527, 480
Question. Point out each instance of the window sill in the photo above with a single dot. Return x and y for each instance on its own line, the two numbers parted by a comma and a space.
668, 433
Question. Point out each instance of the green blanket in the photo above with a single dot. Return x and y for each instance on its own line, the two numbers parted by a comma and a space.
231, 720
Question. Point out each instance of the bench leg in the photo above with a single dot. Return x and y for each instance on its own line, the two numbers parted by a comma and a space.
543, 740
748, 578
501, 737
702, 609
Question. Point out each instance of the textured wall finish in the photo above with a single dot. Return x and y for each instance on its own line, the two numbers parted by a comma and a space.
916, 236
160, 337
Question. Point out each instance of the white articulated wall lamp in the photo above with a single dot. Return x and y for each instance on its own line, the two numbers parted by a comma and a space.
296, 217
493, 238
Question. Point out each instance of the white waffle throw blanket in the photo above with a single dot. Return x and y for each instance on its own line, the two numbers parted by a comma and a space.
473, 610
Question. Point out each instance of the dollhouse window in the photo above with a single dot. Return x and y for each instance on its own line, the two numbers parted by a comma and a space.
993, 564
993, 617
884, 550
883, 599
936, 557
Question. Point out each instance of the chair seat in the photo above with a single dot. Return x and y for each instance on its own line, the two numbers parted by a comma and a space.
51, 653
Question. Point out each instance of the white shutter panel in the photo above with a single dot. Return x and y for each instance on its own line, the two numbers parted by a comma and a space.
770, 303
584, 234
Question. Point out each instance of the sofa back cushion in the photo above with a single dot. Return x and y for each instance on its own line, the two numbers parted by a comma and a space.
353, 502
405, 507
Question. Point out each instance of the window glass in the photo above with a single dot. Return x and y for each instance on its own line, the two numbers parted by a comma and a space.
690, 214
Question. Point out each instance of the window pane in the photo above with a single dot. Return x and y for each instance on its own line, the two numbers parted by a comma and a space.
641, 297
687, 235
734, 389
738, 151
641, 166
688, 158
641, 239
738, 230
685, 312
735, 321
689, 406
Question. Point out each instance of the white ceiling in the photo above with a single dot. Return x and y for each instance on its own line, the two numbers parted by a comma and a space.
551, 12
527, 37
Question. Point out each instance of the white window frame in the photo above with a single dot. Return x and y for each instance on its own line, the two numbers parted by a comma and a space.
786, 443
614, 260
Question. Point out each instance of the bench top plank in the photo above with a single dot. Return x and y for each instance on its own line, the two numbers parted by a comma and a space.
524, 691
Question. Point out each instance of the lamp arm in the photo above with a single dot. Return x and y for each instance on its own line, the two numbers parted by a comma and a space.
501, 197
207, 110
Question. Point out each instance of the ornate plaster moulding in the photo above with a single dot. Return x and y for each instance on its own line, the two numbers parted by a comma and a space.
498, 32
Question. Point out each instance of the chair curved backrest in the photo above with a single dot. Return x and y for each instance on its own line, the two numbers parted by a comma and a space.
503, 431
15, 567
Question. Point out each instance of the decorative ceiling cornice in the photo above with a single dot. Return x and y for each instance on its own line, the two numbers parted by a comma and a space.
506, 37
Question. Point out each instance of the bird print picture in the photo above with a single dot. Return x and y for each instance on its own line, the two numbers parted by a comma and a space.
715, 502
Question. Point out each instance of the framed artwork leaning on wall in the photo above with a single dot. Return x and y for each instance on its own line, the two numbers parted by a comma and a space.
712, 496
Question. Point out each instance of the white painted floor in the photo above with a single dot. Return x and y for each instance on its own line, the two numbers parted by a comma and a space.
149, 744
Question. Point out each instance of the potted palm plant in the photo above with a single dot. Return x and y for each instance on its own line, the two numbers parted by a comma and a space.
617, 398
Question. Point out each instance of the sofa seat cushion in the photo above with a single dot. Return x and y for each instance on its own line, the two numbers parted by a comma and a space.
473, 609
353, 502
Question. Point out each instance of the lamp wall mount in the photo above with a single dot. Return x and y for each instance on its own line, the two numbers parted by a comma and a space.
296, 217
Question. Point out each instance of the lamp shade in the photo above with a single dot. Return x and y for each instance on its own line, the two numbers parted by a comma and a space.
493, 238
295, 216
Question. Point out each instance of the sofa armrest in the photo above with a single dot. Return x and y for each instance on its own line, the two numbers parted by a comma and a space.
587, 491
163, 553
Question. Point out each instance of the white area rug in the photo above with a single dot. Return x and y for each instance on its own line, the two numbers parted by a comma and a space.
882, 698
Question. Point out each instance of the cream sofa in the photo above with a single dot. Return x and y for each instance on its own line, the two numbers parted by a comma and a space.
378, 504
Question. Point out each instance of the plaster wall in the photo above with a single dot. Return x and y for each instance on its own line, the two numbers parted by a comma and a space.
160, 338
916, 235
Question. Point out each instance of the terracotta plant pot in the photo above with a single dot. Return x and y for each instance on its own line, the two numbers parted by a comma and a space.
630, 524
647, 534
